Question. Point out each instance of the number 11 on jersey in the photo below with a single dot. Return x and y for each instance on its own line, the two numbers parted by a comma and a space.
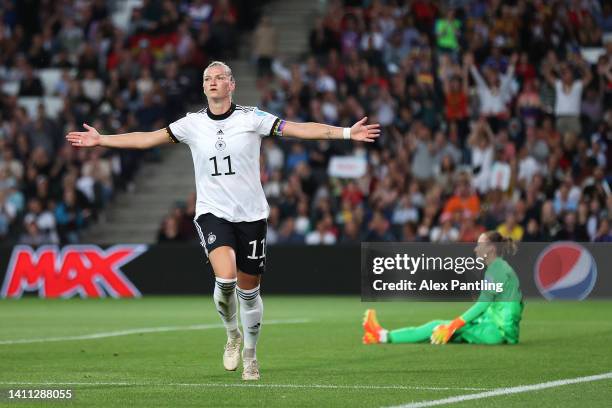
229, 166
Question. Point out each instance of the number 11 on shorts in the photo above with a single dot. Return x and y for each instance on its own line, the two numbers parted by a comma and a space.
254, 253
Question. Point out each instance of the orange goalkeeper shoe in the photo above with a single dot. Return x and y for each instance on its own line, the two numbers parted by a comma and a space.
371, 328
370, 338
370, 322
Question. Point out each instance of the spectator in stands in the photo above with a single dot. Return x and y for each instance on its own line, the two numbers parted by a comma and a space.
379, 229
511, 228
322, 235
30, 85
288, 234
71, 219
40, 222
568, 94
445, 232
264, 47
407, 65
604, 234
448, 31
495, 91
464, 199
169, 231
571, 231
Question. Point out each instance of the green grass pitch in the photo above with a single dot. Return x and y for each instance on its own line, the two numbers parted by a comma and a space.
312, 357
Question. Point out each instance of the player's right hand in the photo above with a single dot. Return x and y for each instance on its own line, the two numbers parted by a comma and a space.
443, 332
84, 139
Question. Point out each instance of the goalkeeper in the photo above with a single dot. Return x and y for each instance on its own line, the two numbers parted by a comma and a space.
493, 319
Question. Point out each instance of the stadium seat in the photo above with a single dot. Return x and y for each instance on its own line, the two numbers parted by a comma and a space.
10, 88
49, 78
53, 105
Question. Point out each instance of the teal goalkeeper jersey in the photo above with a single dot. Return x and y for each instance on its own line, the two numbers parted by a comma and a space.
502, 309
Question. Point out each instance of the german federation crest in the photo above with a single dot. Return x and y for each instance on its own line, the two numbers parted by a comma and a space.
220, 144
565, 270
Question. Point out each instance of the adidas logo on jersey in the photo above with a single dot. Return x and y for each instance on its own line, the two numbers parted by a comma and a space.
220, 132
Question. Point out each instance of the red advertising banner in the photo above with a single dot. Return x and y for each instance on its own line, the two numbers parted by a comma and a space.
86, 270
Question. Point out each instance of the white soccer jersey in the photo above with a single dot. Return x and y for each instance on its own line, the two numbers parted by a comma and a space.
225, 150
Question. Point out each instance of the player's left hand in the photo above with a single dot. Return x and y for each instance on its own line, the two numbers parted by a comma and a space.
365, 133
443, 333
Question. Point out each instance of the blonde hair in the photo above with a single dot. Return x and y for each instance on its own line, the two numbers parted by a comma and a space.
222, 64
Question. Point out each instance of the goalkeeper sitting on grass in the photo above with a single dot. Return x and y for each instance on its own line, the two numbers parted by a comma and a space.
494, 319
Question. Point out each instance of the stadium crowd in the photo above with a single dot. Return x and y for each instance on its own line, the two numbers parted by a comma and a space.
496, 115
63, 63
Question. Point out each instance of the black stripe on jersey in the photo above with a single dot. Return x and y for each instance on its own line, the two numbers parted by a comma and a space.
274, 127
223, 115
173, 138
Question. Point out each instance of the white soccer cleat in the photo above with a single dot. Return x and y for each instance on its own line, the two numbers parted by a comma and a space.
231, 355
250, 369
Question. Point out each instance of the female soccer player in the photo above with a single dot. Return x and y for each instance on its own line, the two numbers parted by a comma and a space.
231, 209
493, 319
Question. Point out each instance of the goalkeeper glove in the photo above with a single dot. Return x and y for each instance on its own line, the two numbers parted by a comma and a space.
443, 333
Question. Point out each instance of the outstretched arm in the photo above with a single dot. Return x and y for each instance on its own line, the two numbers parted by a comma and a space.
133, 140
477, 77
359, 131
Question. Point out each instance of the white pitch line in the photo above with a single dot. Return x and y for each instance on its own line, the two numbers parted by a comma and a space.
142, 330
246, 385
507, 391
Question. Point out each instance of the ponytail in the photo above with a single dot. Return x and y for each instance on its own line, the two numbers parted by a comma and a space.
509, 246
503, 245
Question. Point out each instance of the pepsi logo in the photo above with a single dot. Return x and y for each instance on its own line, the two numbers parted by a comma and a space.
565, 270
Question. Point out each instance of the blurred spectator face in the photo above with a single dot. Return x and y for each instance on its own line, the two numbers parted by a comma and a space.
302, 208
35, 206
564, 191
492, 77
42, 186
570, 220
321, 226
532, 226
379, 223
548, 212
32, 228
170, 227
288, 227
70, 198
463, 186
455, 85
510, 221
567, 76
